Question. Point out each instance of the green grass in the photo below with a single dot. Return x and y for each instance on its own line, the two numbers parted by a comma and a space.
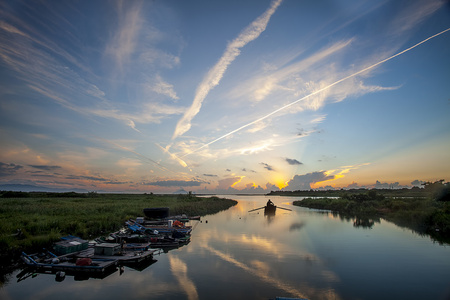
43, 218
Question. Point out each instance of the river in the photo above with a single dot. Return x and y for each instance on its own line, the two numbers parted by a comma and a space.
301, 253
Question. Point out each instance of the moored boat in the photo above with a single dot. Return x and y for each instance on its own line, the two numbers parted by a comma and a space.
117, 252
48, 261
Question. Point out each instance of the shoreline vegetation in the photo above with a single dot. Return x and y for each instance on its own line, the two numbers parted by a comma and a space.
33, 220
425, 211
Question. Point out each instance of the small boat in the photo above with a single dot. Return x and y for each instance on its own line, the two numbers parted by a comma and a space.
48, 261
159, 236
117, 252
184, 218
270, 209
169, 227
136, 246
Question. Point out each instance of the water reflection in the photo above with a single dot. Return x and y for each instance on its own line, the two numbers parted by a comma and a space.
300, 253
359, 221
270, 254
179, 270
296, 226
61, 276
363, 222
261, 274
141, 266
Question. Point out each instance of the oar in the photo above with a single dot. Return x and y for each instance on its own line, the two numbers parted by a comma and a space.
256, 209
284, 208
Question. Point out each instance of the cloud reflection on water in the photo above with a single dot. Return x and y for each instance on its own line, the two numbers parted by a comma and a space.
263, 276
179, 270
260, 270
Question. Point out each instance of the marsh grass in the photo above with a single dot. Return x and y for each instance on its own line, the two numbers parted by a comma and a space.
37, 220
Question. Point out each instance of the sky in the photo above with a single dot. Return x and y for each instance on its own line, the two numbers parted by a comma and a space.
224, 96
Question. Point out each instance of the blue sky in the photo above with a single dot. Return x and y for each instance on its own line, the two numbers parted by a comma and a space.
224, 96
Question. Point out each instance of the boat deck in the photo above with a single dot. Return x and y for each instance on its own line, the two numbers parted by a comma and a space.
97, 266
125, 256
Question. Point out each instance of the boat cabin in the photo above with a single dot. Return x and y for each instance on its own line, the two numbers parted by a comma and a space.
108, 249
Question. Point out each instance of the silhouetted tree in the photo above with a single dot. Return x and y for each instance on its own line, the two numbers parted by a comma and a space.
438, 190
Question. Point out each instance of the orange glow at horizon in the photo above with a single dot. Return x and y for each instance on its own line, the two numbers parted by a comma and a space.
279, 180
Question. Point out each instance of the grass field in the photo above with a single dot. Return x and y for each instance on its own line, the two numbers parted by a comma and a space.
34, 220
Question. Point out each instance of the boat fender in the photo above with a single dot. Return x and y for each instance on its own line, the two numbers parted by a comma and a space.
60, 276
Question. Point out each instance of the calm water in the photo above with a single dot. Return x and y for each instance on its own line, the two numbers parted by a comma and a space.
298, 253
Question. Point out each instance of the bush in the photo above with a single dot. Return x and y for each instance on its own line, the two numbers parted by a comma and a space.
12, 194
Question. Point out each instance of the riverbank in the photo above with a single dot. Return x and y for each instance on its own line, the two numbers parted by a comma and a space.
422, 215
35, 220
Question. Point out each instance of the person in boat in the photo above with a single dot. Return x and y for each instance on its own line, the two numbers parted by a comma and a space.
270, 203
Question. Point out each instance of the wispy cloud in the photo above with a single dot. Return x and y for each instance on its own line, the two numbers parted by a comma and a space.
151, 112
11, 29
282, 78
162, 87
157, 58
323, 87
57, 73
413, 14
124, 41
138, 155
263, 146
214, 75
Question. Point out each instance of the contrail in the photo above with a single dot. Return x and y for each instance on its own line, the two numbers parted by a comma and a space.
318, 91
216, 73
